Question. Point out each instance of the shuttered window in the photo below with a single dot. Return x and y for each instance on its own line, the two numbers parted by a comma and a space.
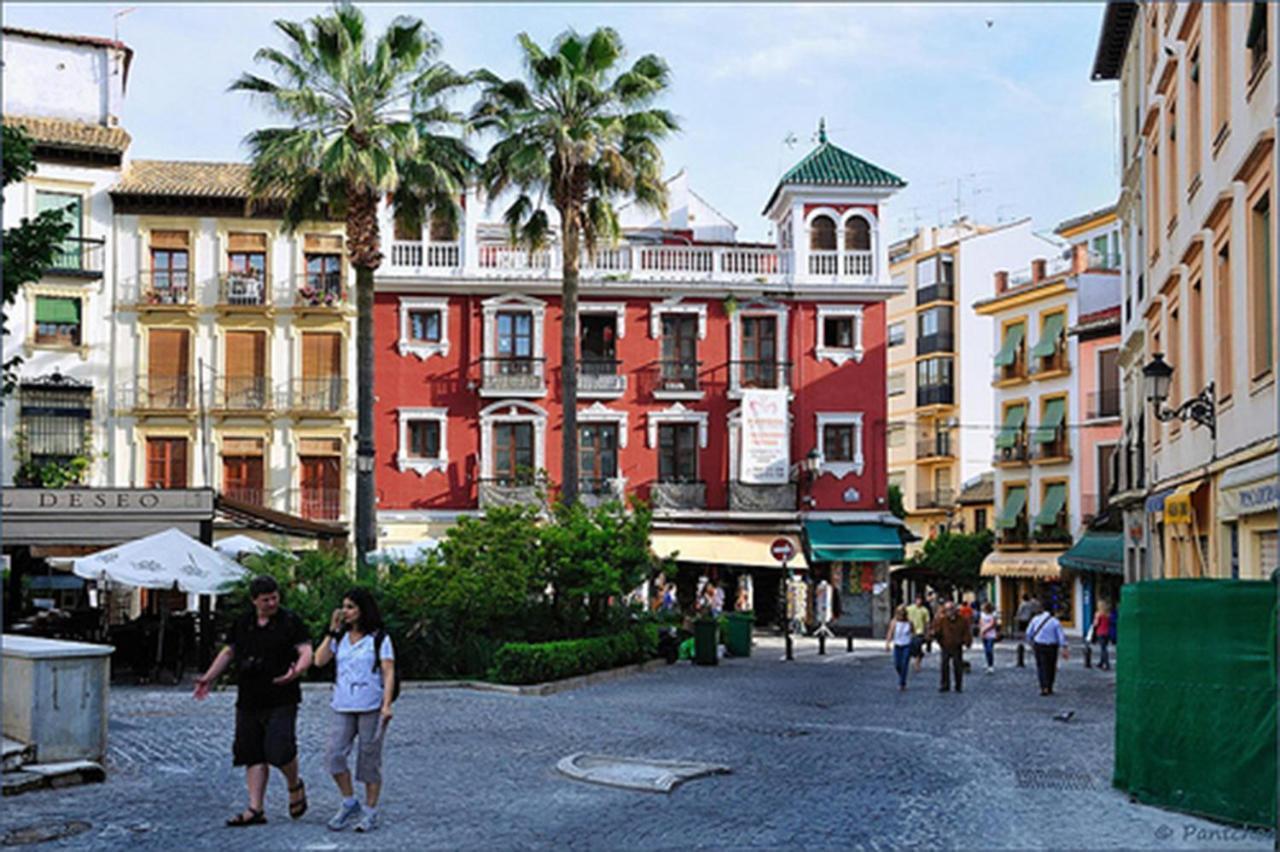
169, 367
166, 462
246, 369
321, 355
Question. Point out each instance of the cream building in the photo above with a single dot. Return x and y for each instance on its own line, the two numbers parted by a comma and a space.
1198, 103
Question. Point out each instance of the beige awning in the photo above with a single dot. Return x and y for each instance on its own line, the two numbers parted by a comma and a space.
1041, 566
747, 549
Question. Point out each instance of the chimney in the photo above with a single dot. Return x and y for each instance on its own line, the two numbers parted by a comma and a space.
1079, 258
1037, 270
1002, 281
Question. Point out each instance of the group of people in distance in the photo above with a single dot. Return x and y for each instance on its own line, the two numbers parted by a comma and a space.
916, 626
271, 650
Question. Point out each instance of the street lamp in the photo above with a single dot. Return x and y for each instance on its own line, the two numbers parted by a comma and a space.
1202, 408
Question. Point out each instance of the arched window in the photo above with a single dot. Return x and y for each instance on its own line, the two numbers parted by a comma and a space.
822, 234
857, 234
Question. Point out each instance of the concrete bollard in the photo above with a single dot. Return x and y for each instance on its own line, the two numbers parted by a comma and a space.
1088, 655
822, 646
1022, 656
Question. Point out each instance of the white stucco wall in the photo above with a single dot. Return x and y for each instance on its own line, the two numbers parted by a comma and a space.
62, 80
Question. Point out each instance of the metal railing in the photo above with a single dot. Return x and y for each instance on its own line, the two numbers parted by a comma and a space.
318, 504
673, 376
513, 374
163, 393
600, 375
1104, 403
254, 495
1017, 535
934, 446
1019, 453
935, 395
678, 494
935, 293
943, 341
242, 393
939, 499
164, 287
1058, 448
244, 289
320, 395
1055, 362
516, 490
1016, 370
320, 290
1059, 532
764, 374
79, 256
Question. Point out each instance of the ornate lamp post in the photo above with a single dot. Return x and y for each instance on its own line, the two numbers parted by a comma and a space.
1201, 408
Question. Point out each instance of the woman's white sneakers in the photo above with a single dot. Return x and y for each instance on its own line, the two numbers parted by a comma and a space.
368, 822
347, 813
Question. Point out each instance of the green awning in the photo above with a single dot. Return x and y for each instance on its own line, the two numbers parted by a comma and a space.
1014, 502
1014, 417
1048, 342
1012, 340
1054, 412
1055, 497
57, 311
1097, 552
829, 541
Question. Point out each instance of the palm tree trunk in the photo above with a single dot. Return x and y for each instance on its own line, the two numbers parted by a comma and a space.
363, 246
569, 361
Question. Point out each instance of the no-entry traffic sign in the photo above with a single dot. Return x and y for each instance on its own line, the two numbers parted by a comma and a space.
782, 549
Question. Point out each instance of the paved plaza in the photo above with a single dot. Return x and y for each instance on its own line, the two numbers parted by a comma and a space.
825, 753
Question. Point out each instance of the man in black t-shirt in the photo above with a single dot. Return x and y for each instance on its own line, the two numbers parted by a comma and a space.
272, 650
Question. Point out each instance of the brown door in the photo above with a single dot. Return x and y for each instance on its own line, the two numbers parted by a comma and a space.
166, 462
321, 372
168, 368
242, 478
321, 495
246, 359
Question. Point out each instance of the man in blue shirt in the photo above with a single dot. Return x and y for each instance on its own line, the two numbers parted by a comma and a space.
1046, 636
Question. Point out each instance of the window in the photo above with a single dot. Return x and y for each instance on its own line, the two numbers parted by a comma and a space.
57, 321
422, 447
822, 234
70, 206
1153, 201
1171, 163
597, 455
1256, 41
1221, 68
424, 439
513, 452
1193, 115
896, 384
678, 370
244, 383
598, 346
837, 332
320, 479
424, 326
166, 462
896, 435
55, 415
1261, 291
934, 330
934, 382
247, 255
1173, 357
840, 443
857, 234
321, 385
979, 519
677, 452
1222, 287
1108, 403
897, 333
759, 366
168, 382
1195, 323
837, 442
242, 470
1106, 473
170, 262
946, 270
926, 273
322, 255
515, 334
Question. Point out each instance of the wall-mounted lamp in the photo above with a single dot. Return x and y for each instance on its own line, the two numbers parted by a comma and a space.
1202, 408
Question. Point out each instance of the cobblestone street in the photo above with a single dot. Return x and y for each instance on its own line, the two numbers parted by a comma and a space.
825, 753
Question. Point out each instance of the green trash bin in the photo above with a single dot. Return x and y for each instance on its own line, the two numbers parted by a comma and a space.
738, 640
704, 642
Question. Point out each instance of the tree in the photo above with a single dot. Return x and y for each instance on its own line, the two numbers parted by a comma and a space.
955, 559
364, 118
895, 502
29, 246
581, 135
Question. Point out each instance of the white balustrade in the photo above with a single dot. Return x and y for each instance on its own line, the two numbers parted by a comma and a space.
857, 263
406, 253
824, 263
443, 255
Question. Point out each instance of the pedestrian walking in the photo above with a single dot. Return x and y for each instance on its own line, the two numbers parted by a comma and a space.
931, 605
1026, 610
363, 691
1046, 636
1101, 631
953, 635
918, 615
901, 638
271, 650
988, 632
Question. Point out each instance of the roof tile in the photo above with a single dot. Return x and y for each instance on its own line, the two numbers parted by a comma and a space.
66, 133
191, 179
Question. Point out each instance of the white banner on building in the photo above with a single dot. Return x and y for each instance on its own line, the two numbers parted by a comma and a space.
766, 438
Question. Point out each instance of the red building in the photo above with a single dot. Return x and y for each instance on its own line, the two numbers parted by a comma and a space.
678, 323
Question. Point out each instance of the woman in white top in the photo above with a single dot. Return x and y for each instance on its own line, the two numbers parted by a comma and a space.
362, 694
899, 637
988, 630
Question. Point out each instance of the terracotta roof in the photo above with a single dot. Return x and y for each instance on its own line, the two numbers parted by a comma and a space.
65, 133
187, 178
981, 491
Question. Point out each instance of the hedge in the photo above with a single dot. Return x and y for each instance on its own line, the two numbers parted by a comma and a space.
524, 662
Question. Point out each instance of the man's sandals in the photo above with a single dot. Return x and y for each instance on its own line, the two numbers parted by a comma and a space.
248, 817
298, 807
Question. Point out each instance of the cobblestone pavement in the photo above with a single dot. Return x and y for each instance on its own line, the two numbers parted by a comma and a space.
825, 752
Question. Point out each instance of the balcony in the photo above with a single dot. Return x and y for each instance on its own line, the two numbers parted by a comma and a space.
1017, 536
674, 380
253, 495
1016, 456
744, 497
766, 375
318, 504
942, 498
934, 446
79, 257
943, 341
161, 394
239, 290
625, 262
1012, 373
598, 492
423, 257
942, 292
163, 290
321, 293
325, 395
509, 491
242, 394
1053, 365
504, 377
690, 494
935, 395
835, 264
1054, 451
1057, 534
1103, 404
600, 378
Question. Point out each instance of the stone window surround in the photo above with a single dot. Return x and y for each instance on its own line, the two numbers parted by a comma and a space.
676, 413
492, 307
835, 355
756, 308
676, 306
842, 219
421, 348
599, 413
618, 309
841, 469
512, 411
405, 416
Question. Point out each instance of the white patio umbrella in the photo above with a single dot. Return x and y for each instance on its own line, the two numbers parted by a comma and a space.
411, 552
235, 546
166, 560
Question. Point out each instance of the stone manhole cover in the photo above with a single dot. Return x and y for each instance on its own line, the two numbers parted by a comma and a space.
633, 773
44, 832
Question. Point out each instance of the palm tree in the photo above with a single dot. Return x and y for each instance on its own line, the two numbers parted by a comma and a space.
580, 133
363, 118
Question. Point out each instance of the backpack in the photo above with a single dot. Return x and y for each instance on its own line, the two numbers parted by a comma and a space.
377, 664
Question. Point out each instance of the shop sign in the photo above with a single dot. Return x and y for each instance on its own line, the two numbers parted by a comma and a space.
114, 501
766, 441
1250, 499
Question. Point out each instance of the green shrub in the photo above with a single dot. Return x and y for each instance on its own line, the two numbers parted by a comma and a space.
523, 662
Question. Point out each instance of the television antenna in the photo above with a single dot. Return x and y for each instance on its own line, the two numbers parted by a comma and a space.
116, 16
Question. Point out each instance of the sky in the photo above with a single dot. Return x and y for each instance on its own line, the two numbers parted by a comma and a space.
985, 109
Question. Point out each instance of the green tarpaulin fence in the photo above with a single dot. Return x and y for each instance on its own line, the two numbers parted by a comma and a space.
1196, 697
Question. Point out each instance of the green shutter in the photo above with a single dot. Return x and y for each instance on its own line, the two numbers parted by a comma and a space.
1048, 343
1014, 501
1012, 340
57, 311
1055, 497
1014, 417
1054, 413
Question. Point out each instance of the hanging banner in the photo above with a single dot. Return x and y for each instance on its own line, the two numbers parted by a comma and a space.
766, 440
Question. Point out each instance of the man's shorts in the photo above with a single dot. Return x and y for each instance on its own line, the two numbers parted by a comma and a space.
917, 647
265, 735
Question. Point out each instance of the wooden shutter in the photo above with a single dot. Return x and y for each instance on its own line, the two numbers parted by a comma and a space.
246, 354
242, 446
320, 447
169, 240
167, 352
246, 242
166, 462
322, 243
321, 356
